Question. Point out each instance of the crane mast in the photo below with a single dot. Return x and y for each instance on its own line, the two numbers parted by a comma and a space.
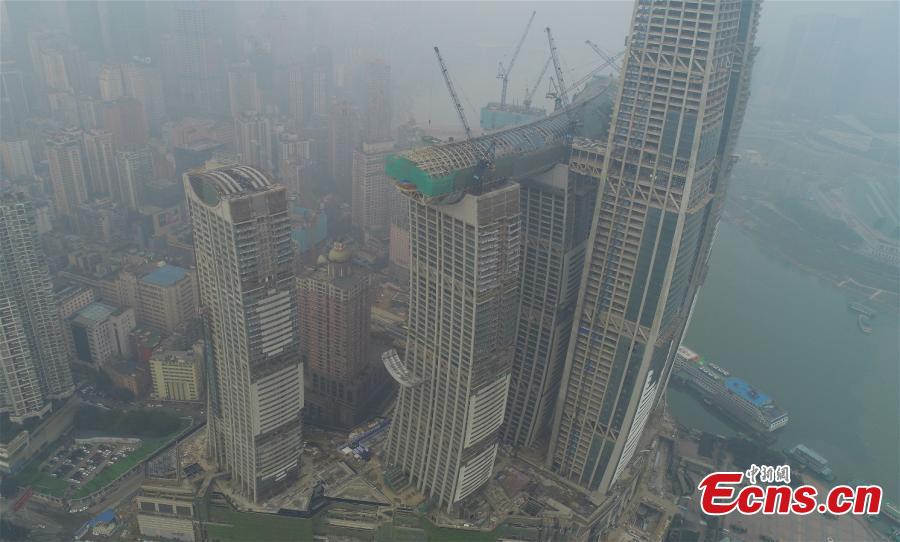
503, 73
562, 98
453, 96
530, 93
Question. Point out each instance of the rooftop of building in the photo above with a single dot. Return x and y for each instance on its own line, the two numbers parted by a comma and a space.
174, 356
65, 291
442, 169
95, 312
165, 275
230, 180
148, 335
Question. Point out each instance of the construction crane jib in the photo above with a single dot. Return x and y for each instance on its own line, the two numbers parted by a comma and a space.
453, 96
503, 73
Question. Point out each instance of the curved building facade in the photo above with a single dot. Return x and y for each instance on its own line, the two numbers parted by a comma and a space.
248, 296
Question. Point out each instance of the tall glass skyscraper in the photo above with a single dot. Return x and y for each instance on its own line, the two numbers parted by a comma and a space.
683, 93
248, 296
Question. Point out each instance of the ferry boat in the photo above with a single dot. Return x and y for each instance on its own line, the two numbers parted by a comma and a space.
863, 322
734, 396
812, 460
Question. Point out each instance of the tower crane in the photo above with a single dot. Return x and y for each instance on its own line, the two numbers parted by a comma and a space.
562, 97
559, 91
453, 96
530, 93
602, 53
503, 73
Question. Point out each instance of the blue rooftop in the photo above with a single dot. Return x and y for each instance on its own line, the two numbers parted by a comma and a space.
748, 392
166, 275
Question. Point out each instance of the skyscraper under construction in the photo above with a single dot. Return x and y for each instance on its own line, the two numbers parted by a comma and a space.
683, 93
248, 295
464, 286
465, 276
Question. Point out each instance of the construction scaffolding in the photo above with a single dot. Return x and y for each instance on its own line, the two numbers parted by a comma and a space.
443, 173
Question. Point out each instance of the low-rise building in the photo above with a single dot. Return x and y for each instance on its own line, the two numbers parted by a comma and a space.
100, 332
166, 298
128, 375
165, 510
177, 374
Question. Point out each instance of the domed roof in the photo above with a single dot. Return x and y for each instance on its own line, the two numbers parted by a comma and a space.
340, 253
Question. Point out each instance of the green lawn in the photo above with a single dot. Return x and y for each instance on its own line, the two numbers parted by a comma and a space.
42, 482
443, 534
248, 526
111, 472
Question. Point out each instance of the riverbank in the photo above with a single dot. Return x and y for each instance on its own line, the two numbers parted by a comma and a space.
791, 334
885, 299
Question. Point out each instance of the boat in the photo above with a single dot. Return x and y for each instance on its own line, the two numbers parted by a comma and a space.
735, 397
863, 322
859, 308
812, 460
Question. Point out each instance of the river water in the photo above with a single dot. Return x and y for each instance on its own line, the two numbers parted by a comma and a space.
791, 335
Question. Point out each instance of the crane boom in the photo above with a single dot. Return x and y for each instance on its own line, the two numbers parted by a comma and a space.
530, 93
453, 96
503, 74
563, 98
601, 52
610, 60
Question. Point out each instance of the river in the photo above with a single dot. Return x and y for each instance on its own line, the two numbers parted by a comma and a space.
790, 334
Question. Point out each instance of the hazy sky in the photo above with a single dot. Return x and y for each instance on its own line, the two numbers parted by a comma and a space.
474, 36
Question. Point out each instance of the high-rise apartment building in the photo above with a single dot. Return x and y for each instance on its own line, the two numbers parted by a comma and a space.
68, 170
14, 105
110, 82
20, 393
373, 192
243, 92
684, 88
295, 95
124, 117
463, 301
335, 301
343, 134
134, 170
253, 140
33, 364
242, 242
557, 207
143, 82
99, 151
319, 82
377, 116
15, 155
